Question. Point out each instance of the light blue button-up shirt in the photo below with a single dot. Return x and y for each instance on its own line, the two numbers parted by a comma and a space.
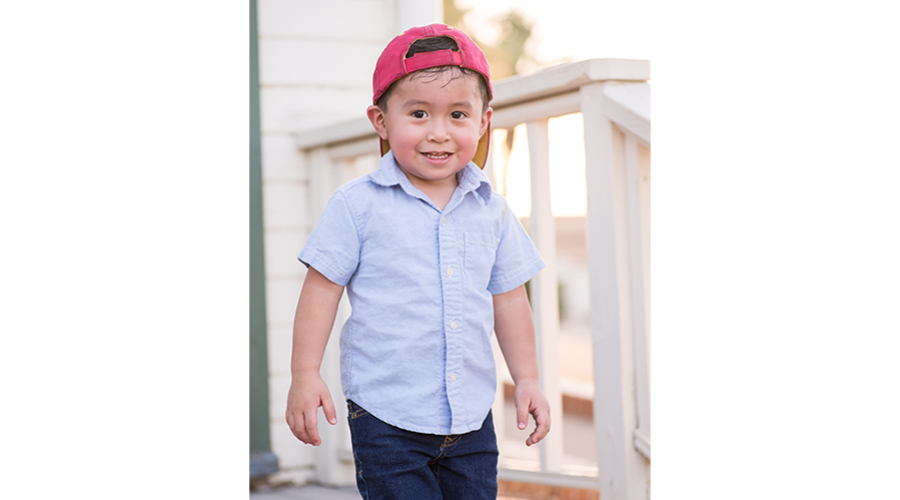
416, 350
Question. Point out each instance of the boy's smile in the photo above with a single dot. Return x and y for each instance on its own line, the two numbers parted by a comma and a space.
433, 124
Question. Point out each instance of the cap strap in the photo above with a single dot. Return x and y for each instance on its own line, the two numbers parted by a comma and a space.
422, 60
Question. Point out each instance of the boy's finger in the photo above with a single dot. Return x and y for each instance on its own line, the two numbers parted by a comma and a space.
289, 418
522, 414
312, 430
295, 422
542, 427
328, 408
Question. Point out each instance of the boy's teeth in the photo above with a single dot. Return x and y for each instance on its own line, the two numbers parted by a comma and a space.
432, 155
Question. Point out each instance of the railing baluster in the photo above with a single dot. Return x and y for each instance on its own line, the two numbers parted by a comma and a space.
544, 290
638, 266
489, 170
320, 165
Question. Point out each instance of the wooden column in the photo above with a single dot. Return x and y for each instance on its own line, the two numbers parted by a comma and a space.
623, 472
545, 292
262, 461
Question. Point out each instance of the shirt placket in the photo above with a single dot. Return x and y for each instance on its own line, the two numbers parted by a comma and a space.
454, 326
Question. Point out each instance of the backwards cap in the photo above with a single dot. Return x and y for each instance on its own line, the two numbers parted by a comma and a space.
393, 65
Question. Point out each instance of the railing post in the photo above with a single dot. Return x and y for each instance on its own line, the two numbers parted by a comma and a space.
623, 472
544, 290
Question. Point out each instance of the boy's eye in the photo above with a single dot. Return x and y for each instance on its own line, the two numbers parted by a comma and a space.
458, 114
418, 114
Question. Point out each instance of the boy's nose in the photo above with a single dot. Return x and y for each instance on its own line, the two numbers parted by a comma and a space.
438, 132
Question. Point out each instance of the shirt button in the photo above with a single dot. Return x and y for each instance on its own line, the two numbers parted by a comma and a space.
450, 271
453, 325
443, 220
453, 377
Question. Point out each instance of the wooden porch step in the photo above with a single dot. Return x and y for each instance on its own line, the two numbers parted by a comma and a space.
509, 490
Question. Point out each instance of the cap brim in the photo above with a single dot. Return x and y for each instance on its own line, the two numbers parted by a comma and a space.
484, 144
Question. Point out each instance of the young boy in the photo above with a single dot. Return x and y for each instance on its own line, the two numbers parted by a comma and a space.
433, 262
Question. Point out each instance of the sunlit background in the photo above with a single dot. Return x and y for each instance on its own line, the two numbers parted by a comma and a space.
520, 37
559, 31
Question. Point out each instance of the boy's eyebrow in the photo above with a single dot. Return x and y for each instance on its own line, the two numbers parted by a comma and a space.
419, 102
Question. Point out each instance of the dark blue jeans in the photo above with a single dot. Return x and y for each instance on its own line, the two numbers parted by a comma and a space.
395, 464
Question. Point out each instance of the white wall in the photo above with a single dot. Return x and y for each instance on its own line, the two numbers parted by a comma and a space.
316, 60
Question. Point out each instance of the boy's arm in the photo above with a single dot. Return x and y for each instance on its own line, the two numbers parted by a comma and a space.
514, 327
313, 321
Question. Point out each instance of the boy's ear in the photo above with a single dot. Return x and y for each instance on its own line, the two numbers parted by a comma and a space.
485, 121
376, 116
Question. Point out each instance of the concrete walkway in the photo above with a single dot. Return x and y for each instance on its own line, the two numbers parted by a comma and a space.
311, 492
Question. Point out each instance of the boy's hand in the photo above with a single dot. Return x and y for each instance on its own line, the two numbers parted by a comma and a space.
306, 395
530, 399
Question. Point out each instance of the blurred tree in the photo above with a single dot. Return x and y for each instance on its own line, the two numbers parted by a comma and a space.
504, 55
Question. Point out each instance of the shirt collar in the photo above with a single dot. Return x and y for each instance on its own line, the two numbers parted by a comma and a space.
388, 173
471, 178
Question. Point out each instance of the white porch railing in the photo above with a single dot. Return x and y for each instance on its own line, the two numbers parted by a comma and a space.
614, 99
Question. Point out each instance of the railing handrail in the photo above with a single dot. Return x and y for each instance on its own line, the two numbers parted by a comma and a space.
564, 77
516, 90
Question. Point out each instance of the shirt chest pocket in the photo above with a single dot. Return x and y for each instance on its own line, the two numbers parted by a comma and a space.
481, 250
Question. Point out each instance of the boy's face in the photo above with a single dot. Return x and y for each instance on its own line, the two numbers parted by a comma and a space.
433, 124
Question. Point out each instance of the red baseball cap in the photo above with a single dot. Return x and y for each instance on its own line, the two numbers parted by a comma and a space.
393, 65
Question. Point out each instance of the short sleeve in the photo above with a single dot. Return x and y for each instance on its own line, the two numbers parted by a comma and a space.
517, 258
333, 247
